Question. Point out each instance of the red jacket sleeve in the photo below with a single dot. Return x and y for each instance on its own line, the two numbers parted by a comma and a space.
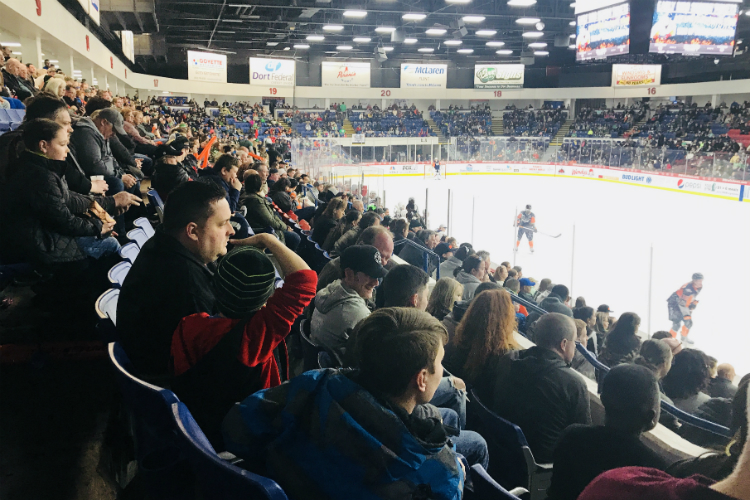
270, 326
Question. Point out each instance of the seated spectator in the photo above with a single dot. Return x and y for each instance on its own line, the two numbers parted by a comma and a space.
350, 237
279, 193
687, 380
383, 403
224, 173
399, 228
622, 343
482, 338
350, 221
445, 294
451, 320
325, 222
171, 278
580, 363
545, 286
405, 286
414, 254
376, 236
445, 251
630, 396
342, 304
12, 76
168, 172
722, 385
470, 275
501, 274
538, 391
219, 360
525, 290
557, 301
588, 316
656, 355
261, 215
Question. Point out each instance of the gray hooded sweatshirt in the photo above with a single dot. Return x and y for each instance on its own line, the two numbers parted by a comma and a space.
337, 308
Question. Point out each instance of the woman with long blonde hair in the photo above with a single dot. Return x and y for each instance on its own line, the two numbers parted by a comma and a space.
446, 293
483, 337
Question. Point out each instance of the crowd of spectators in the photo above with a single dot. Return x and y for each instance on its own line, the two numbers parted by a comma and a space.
533, 123
393, 121
615, 122
457, 122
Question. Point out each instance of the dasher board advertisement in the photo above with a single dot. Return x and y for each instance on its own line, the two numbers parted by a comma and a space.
498, 76
207, 67
346, 74
424, 76
636, 75
275, 72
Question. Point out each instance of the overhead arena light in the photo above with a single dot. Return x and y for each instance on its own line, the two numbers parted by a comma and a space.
473, 19
504, 52
435, 31
301, 46
315, 38
465, 51
572, 23
333, 27
384, 29
527, 20
426, 49
485, 32
270, 44
533, 34
344, 47
355, 13
521, 3
387, 49
495, 44
362, 39
453, 42
410, 40
538, 45
413, 16
458, 1
541, 53
11, 44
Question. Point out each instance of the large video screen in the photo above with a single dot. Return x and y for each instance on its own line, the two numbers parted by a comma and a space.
603, 33
682, 27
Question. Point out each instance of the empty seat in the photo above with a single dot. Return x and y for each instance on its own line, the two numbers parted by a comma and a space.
106, 305
145, 224
130, 251
118, 272
139, 236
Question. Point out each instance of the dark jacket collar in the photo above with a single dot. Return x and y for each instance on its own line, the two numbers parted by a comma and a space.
165, 243
56, 166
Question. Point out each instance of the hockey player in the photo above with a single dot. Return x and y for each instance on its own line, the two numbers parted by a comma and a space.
681, 305
526, 224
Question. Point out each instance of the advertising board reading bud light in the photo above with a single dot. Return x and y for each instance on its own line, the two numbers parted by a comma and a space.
272, 72
424, 76
498, 76
207, 67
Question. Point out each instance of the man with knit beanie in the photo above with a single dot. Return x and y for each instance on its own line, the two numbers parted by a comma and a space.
220, 360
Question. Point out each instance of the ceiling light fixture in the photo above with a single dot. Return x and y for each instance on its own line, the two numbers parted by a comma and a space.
465, 51
384, 29
301, 46
458, 1
426, 49
286, 48
333, 27
413, 16
541, 53
521, 3
387, 49
315, 38
355, 13
453, 42
410, 40
571, 46
20, 54
344, 47
533, 34
572, 23
504, 52
572, 35
10, 44
495, 44
573, 5
270, 44
538, 45
232, 20
362, 39
436, 31
485, 32
52, 60
527, 20
227, 32
473, 19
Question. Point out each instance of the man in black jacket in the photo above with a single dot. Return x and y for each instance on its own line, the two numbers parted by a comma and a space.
172, 277
538, 391
12, 74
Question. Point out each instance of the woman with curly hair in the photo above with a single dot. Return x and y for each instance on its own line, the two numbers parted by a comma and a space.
687, 379
483, 337
622, 343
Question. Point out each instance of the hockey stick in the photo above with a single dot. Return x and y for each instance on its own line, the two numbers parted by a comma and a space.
550, 235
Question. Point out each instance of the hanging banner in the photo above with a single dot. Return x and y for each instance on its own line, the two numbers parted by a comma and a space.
207, 67
636, 75
343, 74
498, 76
425, 76
94, 13
128, 48
276, 72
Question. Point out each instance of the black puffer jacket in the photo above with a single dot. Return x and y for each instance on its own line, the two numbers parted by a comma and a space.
41, 218
167, 177
92, 150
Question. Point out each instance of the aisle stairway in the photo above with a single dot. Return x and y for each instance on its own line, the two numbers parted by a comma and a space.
497, 125
348, 127
562, 133
442, 139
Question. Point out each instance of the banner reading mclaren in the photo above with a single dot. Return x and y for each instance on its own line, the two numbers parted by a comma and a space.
635, 75
207, 67
276, 72
346, 74
424, 76
498, 76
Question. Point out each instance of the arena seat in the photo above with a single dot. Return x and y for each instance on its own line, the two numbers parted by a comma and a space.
145, 224
155, 200
130, 251
118, 273
139, 236
512, 462
310, 349
216, 478
486, 488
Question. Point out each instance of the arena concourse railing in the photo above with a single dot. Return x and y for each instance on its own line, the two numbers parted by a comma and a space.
684, 417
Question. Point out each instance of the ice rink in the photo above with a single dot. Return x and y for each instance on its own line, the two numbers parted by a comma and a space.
626, 246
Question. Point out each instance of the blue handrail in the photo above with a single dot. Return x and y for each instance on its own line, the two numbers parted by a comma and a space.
683, 416
426, 253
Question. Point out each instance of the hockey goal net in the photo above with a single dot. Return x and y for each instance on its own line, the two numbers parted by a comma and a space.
433, 173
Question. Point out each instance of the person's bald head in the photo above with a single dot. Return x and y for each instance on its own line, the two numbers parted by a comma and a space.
726, 371
557, 332
248, 172
13, 66
358, 206
380, 238
630, 395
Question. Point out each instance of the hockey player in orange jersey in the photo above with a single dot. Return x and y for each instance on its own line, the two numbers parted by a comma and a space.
526, 224
681, 305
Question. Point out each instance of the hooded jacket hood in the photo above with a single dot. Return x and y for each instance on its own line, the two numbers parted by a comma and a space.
335, 294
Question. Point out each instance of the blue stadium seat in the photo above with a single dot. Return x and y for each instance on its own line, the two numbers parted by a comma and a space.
139, 236
144, 224
486, 488
512, 462
155, 200
106, 305
118, 272
216, 478
130, 251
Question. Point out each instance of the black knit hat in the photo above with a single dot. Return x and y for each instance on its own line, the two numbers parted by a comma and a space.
244, 281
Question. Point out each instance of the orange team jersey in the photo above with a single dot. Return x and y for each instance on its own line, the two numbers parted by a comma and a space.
526, 219
686, 294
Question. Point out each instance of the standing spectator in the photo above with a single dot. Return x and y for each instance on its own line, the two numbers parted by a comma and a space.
342, 304
445, 294
470, 275
539, 392
172, 277
722, 385
219, 360
383, 403
630, 395
622, 343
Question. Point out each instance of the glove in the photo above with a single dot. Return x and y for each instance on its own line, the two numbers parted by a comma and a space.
534, 229
692, 306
